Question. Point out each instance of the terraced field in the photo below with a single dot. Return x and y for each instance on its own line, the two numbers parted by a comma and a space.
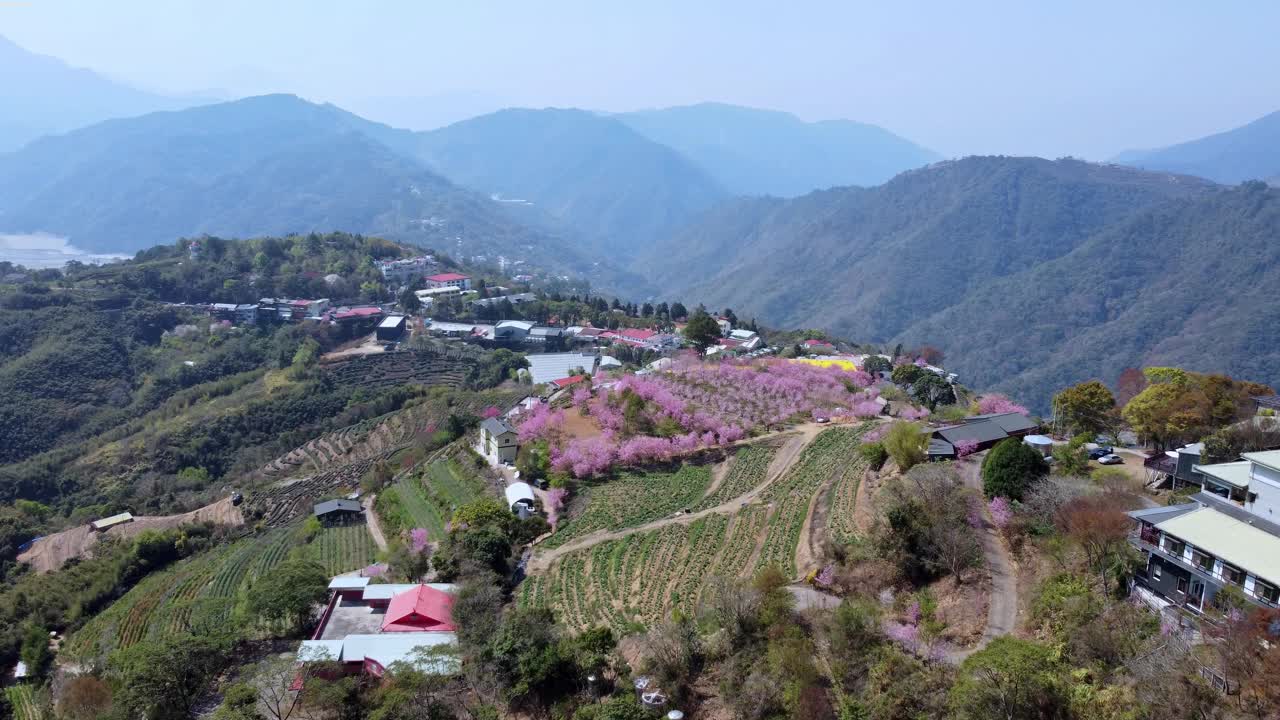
633, 500
342, 548
829, 458
22, 699
431, 494
747, 470
205, 590
645, 576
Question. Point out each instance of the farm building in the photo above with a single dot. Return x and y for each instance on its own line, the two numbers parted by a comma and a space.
983, 431
391, 328
546, 367
497, 441
337, 511
107, 523
421, 608
512, 331
368, 627
520, 498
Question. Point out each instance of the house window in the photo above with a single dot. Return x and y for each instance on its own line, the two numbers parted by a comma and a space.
1251, 498
1267, 592
1156, 571
1233, 575
1204, 562
1174, 547
1182, 585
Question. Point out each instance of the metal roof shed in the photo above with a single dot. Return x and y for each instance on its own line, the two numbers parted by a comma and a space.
519, 494
107, 523
337, 506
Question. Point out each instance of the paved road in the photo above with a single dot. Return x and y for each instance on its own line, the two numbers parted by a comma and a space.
1002, 612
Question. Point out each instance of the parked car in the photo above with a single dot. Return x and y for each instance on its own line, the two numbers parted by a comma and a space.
1100, 452
1111, 459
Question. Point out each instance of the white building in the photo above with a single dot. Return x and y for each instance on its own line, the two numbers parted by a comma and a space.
498, 442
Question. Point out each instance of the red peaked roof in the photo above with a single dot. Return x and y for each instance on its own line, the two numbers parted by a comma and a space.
419, 609
566, 382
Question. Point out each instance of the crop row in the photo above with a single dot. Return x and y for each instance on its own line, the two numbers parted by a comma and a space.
22, 702
644, 577
635, 499
201, 591
342, 548
844, 502
747, 470
825, 459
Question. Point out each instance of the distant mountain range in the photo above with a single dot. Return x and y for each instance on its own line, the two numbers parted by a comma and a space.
259, 166
766, 152
43, 95
266, 165
612, 185
1030, 274
1250, 152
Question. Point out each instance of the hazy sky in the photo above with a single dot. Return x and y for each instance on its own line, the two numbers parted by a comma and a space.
1047, 78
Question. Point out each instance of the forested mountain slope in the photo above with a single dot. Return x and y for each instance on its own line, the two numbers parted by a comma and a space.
1189, 283
766, 152
1249, 152
611, 184
869, 262
933, 254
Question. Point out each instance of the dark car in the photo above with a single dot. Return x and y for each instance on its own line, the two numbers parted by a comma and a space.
1099, 453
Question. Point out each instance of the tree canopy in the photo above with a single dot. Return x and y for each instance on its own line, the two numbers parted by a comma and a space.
1179, 405
702, 330
1085, 408
1011, 468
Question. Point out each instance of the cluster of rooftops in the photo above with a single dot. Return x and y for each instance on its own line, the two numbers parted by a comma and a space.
1195, 549
368, 627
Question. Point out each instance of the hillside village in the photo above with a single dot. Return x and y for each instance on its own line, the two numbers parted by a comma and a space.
659, 498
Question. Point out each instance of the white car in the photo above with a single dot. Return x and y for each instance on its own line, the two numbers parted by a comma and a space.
1111, 459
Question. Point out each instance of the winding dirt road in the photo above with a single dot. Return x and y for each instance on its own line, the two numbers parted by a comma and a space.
1002, 610
797, 440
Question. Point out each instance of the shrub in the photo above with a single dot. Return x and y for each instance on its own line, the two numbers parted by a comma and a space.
874, 453
1011, 468
906, 443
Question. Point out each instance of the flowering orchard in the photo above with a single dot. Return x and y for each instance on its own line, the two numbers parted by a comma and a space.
696, 405
996, 403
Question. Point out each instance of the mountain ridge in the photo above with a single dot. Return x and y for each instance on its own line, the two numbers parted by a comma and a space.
56, 97
753, 151
265, 165
1248, 152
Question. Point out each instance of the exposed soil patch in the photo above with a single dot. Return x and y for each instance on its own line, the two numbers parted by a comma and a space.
51, 551
577, 425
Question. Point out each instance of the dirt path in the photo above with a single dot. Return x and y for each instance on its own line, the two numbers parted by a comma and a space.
782, 462
375, 528
1002, 610
808, 550
718, 473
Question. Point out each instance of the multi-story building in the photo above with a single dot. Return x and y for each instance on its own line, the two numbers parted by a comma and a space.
406, 271
1194, 550
454, 280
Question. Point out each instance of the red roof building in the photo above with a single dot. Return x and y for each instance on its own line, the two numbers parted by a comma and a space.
456, 280
566, 382
420, 609
817, 344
